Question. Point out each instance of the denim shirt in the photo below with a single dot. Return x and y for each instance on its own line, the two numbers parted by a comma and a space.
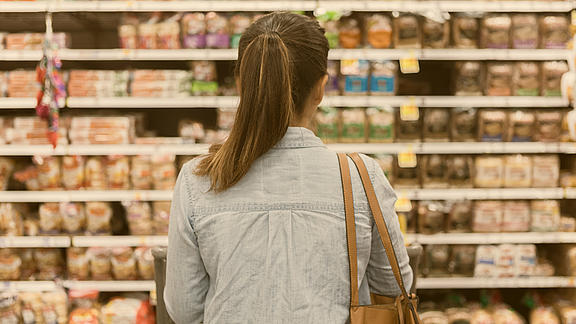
272, 248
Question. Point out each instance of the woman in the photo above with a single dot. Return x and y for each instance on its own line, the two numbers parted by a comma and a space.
257, 231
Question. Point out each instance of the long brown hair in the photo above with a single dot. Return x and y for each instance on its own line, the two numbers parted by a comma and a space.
281, 56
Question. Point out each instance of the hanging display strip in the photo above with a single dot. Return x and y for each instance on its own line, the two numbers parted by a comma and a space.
299, 5
81, 196
493, 238
480, 283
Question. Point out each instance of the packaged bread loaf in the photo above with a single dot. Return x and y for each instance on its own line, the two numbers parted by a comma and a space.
435, 171
78, 263
6, 169
462, 260
506, 260
205, 78
525, 260
459, 216
381, 125
489, 172
465, 30
407, 130
328, 124
118, 172
145, 263
436, 125
50, 219
100, 263
526, 79
544, 315
161, 217
48, 168
460, 171
486, 261
554, 31
406, 177
503, 314
545, 215
169, 33
333, 84
492, 125
407, 31
141, 172
217, 33
469, 79
163, 172
516, 216
435, 33
238, 25
49, 263
98, 216
517, 171
123, 263
73, 172
350, 34
524, 31
139, 217
353, 125
552, 73
431, 216
545, 171
379, 31
10, 220
496, 31
383, 78
356, 74
10, 264
487, 216
194, 30
463, 125
436, 260
28, 264
499, 79
95, 176
548, 126
521, 126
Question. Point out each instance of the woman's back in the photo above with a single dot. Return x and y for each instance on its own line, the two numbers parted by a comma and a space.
272, 248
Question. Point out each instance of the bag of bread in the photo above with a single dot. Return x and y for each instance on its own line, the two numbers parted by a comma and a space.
328, 124
462, 260
435, 171
123, 263
333, 84
353, 125
516, 216
350, 34
193, 30
356, 74
465, 30
84, 307
10, 220
525, 31
145, 263
78, 263
517, 171
73, 172
463, 125
499, 79
383, 78
496, 31
238, 25
73, 217
49, 175
160, 217
525, 261
379, 31
205, 82
554, 31
521, 126
436, 125
526, 79
436, 259
460, 171
489, 172
381, 125
435, 32
486, 267
469, 79
98, 216
407, 130
548, 126
506, 261
28, 264
163, 171
10, 264
95, 177
6, 169
487, 216
545, 171
459, 216
545, 215
503, 314
431, 215
118, 172
407, 33
217, 32
100, 263
139, 217
50, 219
544, 315
552, 73
408, 178
141, 172
49, 263
492, 125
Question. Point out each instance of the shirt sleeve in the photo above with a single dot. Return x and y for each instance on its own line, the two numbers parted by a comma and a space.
186, 279
380, 276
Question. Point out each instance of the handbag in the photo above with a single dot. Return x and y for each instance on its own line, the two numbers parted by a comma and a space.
398, 310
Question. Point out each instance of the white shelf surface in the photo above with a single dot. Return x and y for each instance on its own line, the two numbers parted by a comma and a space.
480, 283
88, 195
113, 241
482, 194
112, 285
35, 286
34, 241
493, 238
127, 149
300, 5
145, 102
17, 103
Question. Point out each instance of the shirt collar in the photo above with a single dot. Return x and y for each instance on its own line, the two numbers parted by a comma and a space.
299, 137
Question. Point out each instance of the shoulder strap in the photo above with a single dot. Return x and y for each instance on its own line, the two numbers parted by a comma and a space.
379, 220
350, 227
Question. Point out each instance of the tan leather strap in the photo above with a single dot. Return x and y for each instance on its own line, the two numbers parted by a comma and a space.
379, 220
350, 227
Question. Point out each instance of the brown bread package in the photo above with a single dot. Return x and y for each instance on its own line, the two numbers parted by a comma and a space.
407, 32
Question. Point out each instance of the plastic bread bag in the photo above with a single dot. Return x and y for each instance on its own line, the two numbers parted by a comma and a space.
55, 306
435, 32
84, 307
469, 79
49, 262
333, 84
100, 263
408, 130
460, 171
95, 173
327, 120
350, 34
465, 31
356, 74
127, 310
408, 31
163, 171
431, 217
205, 78
506, 261
78, 263
544, 315
98, 216
139, 217
436, 260
460, 214
148, 32
524, 31
128, 31
217, 31
545, 215
10, 307
487, 216
10, 264
381, 125
517, 171
353, 125
492, 125
521, 126
145, 263
169, 33
516, 216
10, 220
28, 266
462, 260
486, 256
499, 79
525, 261
548, 126
496, 31
329, 21
73, 217
503, 314
123, 263
383, 78
554, 31
48, 168
379, 31
552, 73
436, 125
435, 171
141, 172
118, 172
463, 125
405, 177
545, 171
6, 169
527, 79
489, 172
50, 218
73, 172
193, 30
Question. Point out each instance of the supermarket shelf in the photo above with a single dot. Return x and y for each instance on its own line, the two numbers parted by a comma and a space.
144, 102
108, 195
301, 5
36, 286
479, 283
334, 54
17, 103
34, 241
127, 149
112, 285
493, 238
482, 194
112, 241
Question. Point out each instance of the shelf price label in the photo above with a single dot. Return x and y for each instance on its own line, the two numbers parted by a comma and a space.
410, 64
407, 158
403, 204
409, 111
